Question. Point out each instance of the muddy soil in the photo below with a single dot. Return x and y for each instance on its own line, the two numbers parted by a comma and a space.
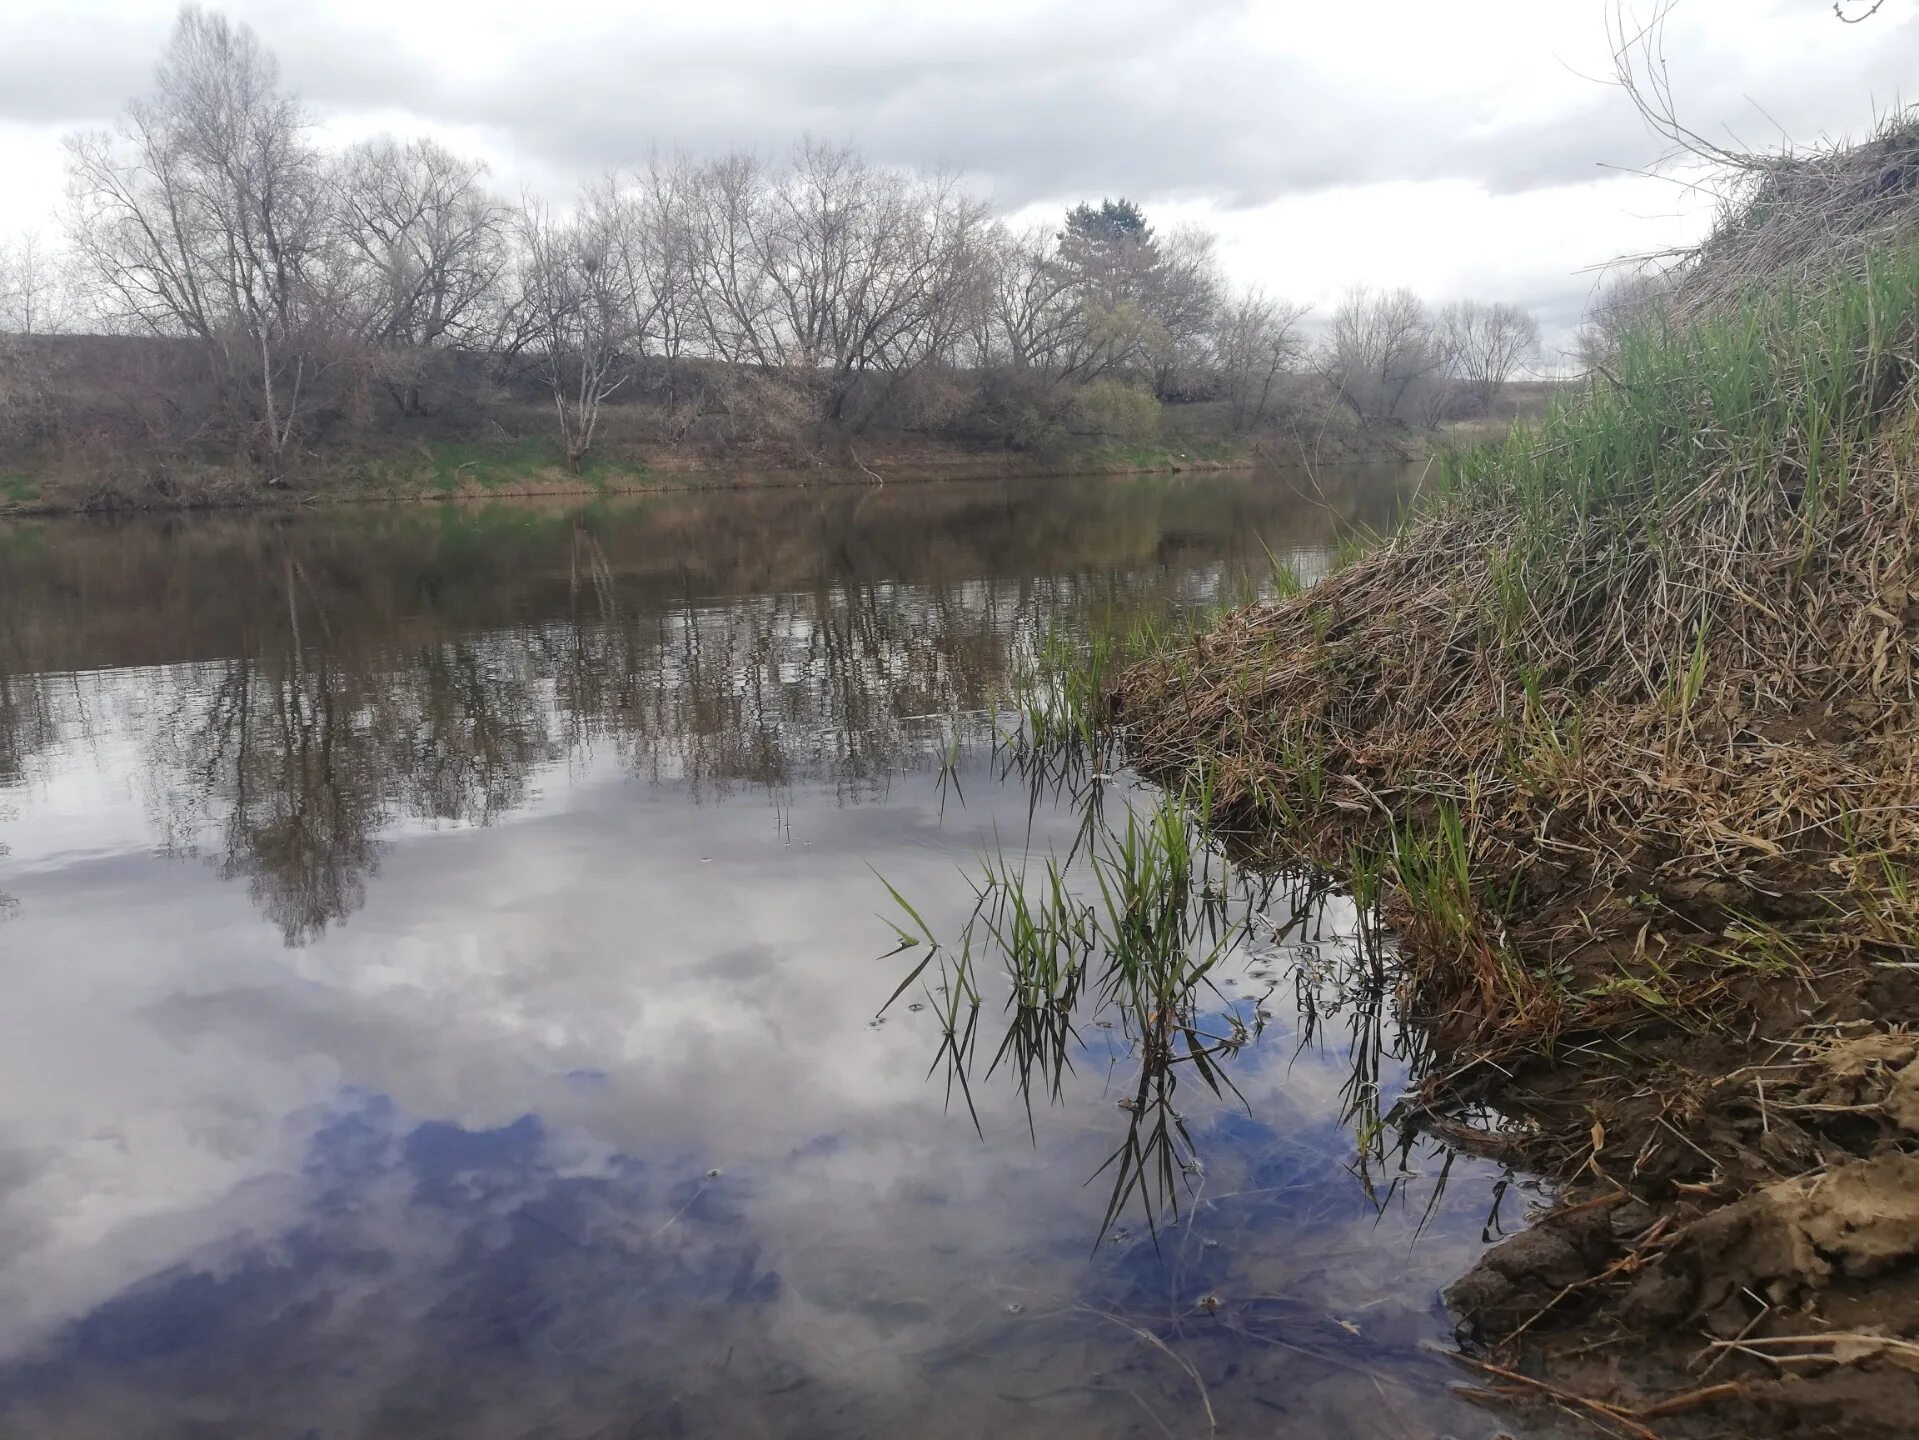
1735, 1251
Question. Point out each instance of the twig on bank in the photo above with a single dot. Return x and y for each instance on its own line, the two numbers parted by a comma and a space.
1617, 1414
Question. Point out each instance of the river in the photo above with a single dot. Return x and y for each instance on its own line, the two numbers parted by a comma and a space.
445, 949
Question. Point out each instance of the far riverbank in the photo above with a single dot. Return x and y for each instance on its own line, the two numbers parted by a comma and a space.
465, 470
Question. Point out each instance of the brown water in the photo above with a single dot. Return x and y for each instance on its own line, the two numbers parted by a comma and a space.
443, 948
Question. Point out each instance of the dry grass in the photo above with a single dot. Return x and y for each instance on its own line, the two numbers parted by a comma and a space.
1802, 215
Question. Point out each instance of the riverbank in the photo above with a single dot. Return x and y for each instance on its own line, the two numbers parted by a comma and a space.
432, 470
1621, 731
532, 468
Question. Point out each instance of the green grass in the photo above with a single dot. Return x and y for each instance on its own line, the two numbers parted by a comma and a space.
449, 467
1060, 690
1797, 378
18, 490
1140, 922
1159, 455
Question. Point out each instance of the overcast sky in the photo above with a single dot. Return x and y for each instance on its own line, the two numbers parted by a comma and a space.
1462, 149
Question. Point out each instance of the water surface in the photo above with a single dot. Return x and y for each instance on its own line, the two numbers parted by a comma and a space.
443, 950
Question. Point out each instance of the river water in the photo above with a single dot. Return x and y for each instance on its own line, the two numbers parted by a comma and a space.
443, 951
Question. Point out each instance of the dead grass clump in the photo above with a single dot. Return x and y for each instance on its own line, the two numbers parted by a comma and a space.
1804, 214
1796, 214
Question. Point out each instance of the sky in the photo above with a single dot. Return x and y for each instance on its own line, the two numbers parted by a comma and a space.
1472, 150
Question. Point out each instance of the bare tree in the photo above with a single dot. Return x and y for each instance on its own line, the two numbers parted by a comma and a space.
1258, 339
1028, 329
580, 318
33, 292
1485, 345
827, 271
665, 263
728, 227
1622, 304
1025, 306
425, 249
1380, 345
29, 305
865, 267
821, 291
203, 214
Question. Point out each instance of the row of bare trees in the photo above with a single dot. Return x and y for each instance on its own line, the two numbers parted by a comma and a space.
1393, 360
823, 285
826, 271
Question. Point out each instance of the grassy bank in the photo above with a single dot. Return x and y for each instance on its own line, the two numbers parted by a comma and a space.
90, 478
442, 470
1622, 726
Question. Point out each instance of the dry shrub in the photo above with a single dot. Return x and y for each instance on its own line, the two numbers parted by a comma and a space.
95, 470
26, 399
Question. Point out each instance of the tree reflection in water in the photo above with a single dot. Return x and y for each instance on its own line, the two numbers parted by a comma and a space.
317, 682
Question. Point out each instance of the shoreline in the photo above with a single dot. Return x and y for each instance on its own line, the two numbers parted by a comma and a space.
670, 473
691, 482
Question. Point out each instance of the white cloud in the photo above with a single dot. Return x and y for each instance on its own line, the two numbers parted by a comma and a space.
1398, 141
